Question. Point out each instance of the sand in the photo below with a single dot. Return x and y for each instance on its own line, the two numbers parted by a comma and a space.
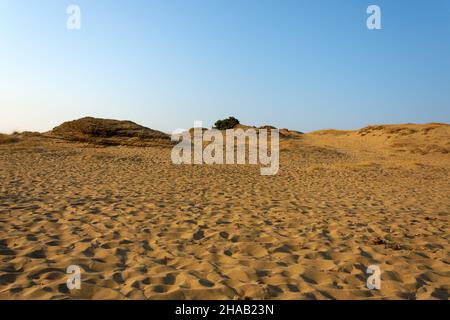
142, 228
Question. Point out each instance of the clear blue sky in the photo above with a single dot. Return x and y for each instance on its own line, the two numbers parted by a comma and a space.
303, 65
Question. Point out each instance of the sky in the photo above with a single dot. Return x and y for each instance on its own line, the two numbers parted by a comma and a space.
300, 64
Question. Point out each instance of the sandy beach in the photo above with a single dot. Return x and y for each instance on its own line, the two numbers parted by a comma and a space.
141, 227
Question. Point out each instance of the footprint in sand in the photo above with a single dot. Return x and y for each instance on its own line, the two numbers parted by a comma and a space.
206, 283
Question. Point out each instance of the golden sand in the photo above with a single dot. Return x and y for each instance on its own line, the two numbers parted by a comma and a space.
142, 228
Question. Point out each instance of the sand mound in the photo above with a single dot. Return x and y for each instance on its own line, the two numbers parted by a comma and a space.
419, 139
331, 132
109, 132
17, 137
414, 138
402, 129
290, 134
283, 133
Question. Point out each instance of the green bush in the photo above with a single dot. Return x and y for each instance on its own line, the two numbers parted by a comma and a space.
225, 124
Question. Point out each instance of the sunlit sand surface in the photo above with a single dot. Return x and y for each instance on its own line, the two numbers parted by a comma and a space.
142, 228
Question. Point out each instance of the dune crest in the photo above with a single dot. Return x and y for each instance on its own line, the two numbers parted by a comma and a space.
398, 138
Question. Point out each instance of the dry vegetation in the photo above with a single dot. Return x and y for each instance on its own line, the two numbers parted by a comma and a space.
4, 139
109, 132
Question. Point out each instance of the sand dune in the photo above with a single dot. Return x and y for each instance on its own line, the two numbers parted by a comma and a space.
142, 228
409, 138
109, 132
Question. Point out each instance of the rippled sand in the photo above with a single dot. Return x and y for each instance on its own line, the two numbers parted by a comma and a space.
142, 228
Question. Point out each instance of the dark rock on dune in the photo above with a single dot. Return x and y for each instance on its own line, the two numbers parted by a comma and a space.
109, 132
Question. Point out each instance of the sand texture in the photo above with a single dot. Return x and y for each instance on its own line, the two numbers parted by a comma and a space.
142, 228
